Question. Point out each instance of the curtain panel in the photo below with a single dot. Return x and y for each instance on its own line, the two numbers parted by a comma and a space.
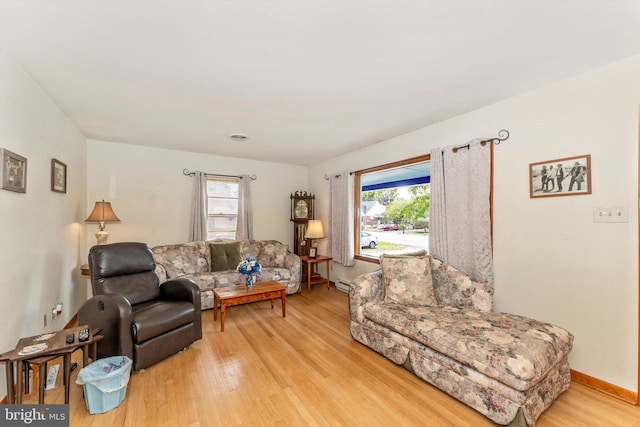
244, 228
199, 208
460, 212
341, 240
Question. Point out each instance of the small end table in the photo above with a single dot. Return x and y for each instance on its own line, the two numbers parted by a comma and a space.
84, 270
58, 347
312, 265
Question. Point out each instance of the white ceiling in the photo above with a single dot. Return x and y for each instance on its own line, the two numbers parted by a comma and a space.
306, 80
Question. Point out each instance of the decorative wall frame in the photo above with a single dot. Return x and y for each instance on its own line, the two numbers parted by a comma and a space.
569, 176
58, 176
13, 171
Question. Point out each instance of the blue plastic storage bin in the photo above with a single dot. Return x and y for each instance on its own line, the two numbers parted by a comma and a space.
105, 383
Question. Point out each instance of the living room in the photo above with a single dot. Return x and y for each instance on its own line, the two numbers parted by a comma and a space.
552, 262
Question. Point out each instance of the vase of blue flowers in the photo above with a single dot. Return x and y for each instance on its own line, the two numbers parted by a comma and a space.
250, 268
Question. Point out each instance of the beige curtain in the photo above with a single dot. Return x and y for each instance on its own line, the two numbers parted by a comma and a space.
340, 233
244, 229
199, 208
460, 212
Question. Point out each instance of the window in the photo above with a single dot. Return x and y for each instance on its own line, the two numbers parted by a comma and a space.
393, 205
222, 213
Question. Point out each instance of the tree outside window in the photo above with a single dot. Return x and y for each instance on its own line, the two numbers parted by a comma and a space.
393, 201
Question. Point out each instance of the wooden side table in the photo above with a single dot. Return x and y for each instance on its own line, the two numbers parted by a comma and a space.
56, 347
312, 265
84, 270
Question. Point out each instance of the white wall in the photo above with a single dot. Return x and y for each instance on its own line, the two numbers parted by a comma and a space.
41, 236
152, 197
551, 261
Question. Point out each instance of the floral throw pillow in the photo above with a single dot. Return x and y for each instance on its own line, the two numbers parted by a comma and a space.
273, 254
406, 279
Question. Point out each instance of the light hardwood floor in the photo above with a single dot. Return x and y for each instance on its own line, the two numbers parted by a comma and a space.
303, 370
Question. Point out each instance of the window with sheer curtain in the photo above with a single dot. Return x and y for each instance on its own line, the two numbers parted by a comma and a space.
222, 208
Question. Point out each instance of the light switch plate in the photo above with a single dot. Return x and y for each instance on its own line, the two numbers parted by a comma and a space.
610, 214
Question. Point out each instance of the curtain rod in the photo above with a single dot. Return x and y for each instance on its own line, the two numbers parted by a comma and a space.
186, 172
503, 135
338, 175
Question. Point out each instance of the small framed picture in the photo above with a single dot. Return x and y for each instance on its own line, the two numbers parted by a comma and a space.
58, 176
13, 171
569, 176
313, 252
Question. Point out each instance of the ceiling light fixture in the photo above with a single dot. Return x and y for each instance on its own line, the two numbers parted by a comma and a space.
239, 137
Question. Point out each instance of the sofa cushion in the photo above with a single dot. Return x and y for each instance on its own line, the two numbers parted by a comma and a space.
515, 350
272, 254
406, 279
182, 259
225, 256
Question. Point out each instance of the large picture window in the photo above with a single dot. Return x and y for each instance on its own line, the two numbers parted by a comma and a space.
392, 202
222, 214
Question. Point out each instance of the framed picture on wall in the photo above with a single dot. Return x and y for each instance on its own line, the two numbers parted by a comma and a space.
13, 171
569, 176
58, 176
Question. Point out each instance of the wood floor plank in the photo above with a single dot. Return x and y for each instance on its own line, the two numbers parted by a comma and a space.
305, 369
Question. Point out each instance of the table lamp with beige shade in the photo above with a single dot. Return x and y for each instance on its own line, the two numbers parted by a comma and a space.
314, 232
102, 213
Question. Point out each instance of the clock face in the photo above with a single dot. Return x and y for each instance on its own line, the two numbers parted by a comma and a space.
302, 209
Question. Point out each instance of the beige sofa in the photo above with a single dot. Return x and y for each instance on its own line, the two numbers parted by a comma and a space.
433, 320
212, 264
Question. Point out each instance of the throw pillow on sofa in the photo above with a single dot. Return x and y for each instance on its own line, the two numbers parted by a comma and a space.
273, 254
225, 255
406, 279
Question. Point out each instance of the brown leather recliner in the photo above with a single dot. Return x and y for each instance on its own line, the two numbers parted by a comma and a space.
139, 318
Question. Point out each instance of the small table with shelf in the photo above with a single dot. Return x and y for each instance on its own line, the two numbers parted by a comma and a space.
56, 347
312, 277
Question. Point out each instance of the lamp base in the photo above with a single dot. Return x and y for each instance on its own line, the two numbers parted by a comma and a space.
102, 237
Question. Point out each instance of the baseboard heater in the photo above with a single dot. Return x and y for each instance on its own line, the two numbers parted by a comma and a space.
342, 285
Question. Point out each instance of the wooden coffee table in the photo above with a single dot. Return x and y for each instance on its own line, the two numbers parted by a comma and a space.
236, 295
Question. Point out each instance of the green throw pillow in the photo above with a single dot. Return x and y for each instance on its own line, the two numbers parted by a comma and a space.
225, 256
406, 279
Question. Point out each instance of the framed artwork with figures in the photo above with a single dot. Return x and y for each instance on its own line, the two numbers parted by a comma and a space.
569, 176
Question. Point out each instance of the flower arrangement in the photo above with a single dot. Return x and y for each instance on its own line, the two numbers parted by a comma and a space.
250, 267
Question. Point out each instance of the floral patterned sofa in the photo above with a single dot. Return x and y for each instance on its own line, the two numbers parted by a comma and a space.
212, 264
509, 368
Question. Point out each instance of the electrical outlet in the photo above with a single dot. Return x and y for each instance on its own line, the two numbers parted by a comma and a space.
45, 320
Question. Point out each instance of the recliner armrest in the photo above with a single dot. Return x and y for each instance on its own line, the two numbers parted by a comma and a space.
181, 290
185, 290
113, 314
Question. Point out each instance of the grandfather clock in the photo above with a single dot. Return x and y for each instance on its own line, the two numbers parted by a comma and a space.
301, 213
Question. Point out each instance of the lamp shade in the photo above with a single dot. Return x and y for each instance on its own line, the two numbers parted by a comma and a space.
314, 230
102, 213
